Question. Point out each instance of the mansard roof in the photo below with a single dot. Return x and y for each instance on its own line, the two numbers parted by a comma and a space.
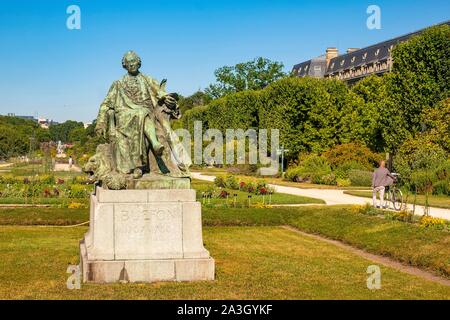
375, 53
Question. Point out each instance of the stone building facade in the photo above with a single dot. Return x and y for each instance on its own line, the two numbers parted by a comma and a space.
355, 64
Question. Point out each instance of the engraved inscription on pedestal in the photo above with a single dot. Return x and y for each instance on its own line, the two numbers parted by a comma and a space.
148, 231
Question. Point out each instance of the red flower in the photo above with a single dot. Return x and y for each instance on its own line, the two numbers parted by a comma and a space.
242, 184
223, 194
47, 193
60, 181
262, 190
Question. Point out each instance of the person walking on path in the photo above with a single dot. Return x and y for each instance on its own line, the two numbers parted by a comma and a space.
381, 178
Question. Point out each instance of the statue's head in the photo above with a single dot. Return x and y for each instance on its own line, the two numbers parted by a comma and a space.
131, 62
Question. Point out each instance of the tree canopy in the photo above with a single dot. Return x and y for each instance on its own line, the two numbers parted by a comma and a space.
251, 75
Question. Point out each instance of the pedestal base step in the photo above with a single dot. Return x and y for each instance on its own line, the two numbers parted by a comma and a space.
109, 271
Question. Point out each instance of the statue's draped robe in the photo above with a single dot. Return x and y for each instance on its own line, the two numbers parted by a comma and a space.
129, 102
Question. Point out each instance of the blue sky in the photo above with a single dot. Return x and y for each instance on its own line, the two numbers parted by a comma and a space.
51, 71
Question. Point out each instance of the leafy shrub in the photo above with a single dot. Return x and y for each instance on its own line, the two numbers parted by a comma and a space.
442, 187
329, 179
231, 182
219, 181
423, 164
351, 153
343, 182
343, 170
360, 178
418, 154
294, 174
312, 167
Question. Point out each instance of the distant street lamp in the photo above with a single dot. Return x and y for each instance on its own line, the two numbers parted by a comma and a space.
280, 152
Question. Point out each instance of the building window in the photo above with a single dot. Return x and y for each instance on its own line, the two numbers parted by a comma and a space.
364, 56
342, 62
377, 52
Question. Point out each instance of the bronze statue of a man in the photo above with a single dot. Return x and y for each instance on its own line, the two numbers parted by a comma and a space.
135, 119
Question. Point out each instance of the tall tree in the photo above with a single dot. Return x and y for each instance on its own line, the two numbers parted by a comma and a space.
420, 79
251, 75
199, 98
61, 131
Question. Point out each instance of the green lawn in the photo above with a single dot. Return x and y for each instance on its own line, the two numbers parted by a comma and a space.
433, 200
426, 248
242, 197
42, 216
42, 200
251, 263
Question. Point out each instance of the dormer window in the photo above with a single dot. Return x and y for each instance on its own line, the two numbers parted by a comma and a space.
364, 56
377, 52
353, 59
342, 62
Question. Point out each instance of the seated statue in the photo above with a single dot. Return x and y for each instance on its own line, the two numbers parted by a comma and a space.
135, 120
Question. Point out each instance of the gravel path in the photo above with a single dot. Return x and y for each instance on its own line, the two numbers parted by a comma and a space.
65, 167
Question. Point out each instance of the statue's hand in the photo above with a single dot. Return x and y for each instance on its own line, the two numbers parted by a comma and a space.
170, 102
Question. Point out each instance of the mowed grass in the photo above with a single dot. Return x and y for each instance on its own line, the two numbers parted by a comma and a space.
251, 263
242, 197
43, 200
426, 248
438, 201
42, 216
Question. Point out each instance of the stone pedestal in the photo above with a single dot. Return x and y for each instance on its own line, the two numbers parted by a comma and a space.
145, 236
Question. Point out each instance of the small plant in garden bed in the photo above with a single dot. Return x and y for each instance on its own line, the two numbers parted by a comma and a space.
224, 194
404, 216
432, 222
77, 205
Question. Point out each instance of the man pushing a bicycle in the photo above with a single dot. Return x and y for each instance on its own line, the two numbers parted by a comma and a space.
381, 178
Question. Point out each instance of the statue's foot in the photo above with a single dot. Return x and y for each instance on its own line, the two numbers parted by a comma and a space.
137, 173
159, 149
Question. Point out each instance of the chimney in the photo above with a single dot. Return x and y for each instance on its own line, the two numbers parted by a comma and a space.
331, 53
350, 50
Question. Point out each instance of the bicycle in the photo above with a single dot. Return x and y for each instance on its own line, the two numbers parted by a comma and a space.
394, 195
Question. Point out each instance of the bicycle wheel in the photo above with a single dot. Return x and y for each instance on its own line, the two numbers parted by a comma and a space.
397, 199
